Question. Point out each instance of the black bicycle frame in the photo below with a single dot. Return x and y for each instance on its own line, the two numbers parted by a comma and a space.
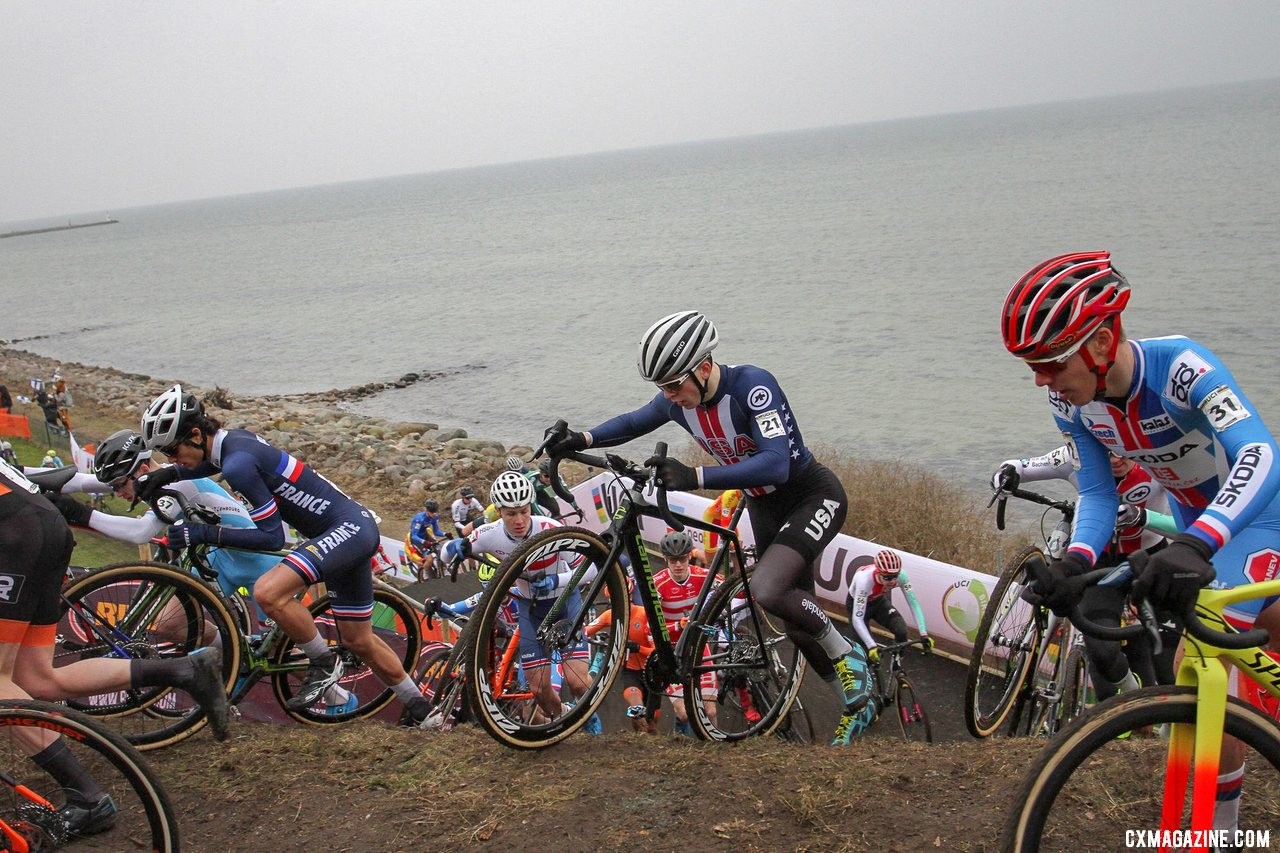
624, 531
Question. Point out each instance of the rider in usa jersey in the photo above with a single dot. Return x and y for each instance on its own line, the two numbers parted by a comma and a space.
341, 537
740, 415
1173, 407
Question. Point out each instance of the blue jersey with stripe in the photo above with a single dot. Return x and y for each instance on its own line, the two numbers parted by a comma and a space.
1186, 422
747, 425
279, 489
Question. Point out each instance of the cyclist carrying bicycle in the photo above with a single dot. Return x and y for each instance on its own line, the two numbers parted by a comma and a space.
739, 415
512, 494
1173, 407
342, 537
35, 549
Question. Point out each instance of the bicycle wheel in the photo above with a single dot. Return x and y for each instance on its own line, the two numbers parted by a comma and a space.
758, 671
797, 726
1008, 635
1087, 788
518, 724
143, 611
912, 718
30, 799
1075, 687
393, 620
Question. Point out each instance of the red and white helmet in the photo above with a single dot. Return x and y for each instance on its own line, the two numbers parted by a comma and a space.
1061, 302
888, 563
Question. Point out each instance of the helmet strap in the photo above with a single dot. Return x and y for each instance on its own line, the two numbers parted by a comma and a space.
1100, 369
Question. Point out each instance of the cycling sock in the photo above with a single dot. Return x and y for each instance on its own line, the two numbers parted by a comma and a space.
61, 763
336, 695
406, 690
1226, 812
834, 643
315, 648
1129, 682
175, 672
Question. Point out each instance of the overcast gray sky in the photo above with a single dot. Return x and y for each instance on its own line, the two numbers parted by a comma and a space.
105, 105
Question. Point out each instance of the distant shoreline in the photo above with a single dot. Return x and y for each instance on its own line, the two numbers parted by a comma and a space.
67, 227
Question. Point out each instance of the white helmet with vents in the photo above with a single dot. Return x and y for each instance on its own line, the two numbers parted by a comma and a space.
675, 345
511, 489
170, 418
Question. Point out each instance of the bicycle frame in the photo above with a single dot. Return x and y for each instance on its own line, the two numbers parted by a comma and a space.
624, 530
1202, 668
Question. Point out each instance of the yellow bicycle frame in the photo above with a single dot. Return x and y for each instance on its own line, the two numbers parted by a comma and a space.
1202, 668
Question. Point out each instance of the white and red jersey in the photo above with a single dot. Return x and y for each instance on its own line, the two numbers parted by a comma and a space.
493, 539
1140, 489
678, 598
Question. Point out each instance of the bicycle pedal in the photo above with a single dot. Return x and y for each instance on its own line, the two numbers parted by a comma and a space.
234, 712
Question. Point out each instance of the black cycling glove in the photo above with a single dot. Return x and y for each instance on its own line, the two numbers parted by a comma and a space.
72, 510
1061, 589
149, 485
673, 474
567, 442
1173, 576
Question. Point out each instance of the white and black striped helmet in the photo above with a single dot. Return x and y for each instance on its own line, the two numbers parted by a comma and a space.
675, 345
511, 489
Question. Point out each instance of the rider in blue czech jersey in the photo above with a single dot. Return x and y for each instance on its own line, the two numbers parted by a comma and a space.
1188, 423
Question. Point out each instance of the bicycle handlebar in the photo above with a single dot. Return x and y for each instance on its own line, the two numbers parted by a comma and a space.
898, 647
1001, 496
609, 462
1191, 622
191, 511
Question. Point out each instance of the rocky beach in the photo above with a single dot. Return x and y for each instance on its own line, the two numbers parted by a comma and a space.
392, 466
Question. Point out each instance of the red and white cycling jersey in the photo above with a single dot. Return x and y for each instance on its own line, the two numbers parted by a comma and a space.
678, 598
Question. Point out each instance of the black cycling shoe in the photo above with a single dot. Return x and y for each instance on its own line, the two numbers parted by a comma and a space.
416, 710
89, 818
207, 689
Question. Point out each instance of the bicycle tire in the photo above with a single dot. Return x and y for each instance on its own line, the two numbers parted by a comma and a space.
1075, 685
112, 599
441, 689
393, 619
443, 682
913, 720
511, 726
725, 634
1000, 661
797, 726
1082, 769
144, 815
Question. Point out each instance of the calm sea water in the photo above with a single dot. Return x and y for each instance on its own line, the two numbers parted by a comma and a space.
865, 266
